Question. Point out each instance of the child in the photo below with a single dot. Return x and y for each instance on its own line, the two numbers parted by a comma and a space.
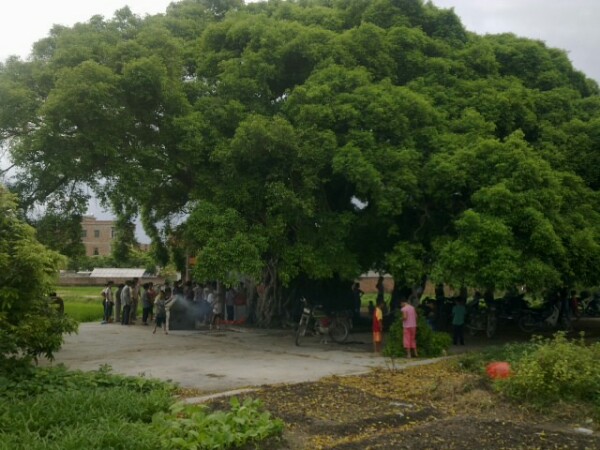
161, 312
409, 324
378, 327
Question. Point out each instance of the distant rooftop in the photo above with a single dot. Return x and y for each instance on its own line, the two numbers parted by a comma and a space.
117, 273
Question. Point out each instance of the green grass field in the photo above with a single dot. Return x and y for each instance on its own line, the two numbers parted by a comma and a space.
83, 303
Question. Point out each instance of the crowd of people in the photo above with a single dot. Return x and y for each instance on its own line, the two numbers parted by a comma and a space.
122, 305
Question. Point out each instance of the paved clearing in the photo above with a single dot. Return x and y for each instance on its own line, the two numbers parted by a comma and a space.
215, 360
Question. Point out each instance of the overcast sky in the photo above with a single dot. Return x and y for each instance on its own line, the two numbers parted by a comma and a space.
571, 25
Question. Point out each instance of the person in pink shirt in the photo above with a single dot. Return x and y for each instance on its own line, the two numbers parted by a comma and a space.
409, 324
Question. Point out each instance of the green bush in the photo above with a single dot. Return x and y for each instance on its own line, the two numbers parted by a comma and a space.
194, 427
29, 327
476, 362
429, 343
555, 369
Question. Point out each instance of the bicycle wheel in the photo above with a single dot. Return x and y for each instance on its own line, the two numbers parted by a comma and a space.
492, 325
527, 323
565, 324
338, 331
302, 326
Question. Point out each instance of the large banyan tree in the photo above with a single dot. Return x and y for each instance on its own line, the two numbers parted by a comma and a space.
315, 139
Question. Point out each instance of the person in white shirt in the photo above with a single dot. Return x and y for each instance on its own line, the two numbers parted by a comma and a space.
126, 294
108, 302
217, 308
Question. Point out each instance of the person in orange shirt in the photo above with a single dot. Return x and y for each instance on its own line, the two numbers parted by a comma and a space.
378, 327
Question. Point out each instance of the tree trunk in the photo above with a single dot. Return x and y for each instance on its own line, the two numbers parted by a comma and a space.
269, 296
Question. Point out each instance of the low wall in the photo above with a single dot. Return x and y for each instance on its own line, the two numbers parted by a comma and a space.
87, 281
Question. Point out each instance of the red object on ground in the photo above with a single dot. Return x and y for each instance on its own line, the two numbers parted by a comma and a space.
498, 370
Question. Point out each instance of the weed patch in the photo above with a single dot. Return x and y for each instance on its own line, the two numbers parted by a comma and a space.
53, 408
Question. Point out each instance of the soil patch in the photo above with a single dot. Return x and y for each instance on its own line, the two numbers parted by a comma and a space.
426, 407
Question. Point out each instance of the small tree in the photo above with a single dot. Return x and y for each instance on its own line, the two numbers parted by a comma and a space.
29, 327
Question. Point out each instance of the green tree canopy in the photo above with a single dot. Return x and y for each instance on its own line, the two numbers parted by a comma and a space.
319, 139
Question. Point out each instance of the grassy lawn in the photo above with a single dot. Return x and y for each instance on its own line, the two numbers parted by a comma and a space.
83, 303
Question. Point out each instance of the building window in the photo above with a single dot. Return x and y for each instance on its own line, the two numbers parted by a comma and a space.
112, 232
83, 233
96, 252
96, 233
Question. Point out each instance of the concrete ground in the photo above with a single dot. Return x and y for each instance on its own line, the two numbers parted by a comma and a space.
217, 360
239, 357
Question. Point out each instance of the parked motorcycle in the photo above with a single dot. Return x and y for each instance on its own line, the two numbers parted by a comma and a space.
481, 317
547, 318
589, 305
315, 321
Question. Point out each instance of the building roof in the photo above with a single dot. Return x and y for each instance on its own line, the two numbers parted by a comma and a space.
117, 273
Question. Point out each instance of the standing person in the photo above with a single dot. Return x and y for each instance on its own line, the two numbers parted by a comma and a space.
357, 297
198, 293
239, 302
229, 302
409, 325
217, 311
161, 312
56, 300
574, 304
107, 294
151, 297
126, 302
458, 322
380, 290
377, 328
205, 306
135, 299
188, 291
176, 294
146, 303
167, 290
118, 302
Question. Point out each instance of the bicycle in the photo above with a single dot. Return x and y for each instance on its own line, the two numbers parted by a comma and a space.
320, 323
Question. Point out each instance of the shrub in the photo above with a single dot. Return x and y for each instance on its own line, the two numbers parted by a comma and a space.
429, 343
555, 369
192, 426
29, 327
